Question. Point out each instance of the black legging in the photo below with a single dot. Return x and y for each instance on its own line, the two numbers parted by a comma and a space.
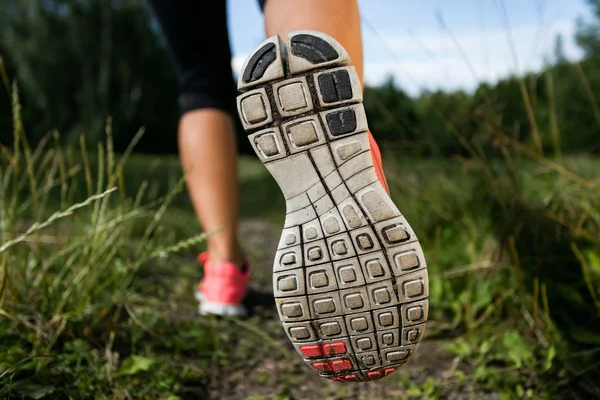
196, 32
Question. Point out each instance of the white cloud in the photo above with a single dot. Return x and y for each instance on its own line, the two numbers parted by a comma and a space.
432, 60
237, 61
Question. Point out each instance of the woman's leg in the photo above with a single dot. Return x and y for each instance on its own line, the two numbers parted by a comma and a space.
339, 19
207, 143
207, 149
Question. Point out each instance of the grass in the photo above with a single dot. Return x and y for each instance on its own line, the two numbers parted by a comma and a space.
97, 273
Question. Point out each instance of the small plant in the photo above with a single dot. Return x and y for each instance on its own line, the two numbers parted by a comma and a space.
70, 285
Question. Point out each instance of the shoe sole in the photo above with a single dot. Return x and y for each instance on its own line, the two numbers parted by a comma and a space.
206, 307
350, 278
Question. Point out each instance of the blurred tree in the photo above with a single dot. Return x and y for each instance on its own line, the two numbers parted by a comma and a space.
588, 32
78, 62
391, 114
445, 117
577, 86
559, 49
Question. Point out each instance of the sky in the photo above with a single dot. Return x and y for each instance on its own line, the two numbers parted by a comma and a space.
441, 44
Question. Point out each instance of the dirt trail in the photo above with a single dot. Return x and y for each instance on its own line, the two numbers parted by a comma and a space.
276, 372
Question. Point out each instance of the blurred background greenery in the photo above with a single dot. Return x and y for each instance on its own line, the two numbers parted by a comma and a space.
80, 61
501, 184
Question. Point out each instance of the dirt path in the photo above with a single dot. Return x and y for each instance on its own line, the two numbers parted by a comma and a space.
277, 370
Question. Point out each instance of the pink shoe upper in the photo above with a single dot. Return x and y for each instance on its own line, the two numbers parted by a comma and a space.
376, 155
223, 283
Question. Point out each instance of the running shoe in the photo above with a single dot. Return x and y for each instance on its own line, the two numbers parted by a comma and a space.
223, 287
349, 276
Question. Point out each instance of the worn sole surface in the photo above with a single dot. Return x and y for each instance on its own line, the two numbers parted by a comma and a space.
350, 278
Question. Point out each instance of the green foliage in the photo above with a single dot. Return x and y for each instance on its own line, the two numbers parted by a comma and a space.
435, 124
122, 330
79, 62
392, 114
71, 320
134, 365
559, 100
92, 307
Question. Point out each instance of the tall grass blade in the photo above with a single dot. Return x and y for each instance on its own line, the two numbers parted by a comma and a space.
3, 277
535, 132
36, 227
588, 91
587, 275
4, 76
554, 128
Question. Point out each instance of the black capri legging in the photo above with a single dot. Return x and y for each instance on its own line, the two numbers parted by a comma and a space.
196, 32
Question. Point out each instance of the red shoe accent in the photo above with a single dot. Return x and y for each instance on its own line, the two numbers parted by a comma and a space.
311, 351
331, 349
203, 257
346, 378
389, 371
341, 365
322, 366
376, 155
374, 375
351, 378
324, 350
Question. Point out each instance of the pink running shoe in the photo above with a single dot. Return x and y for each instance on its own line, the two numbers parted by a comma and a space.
223, 287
